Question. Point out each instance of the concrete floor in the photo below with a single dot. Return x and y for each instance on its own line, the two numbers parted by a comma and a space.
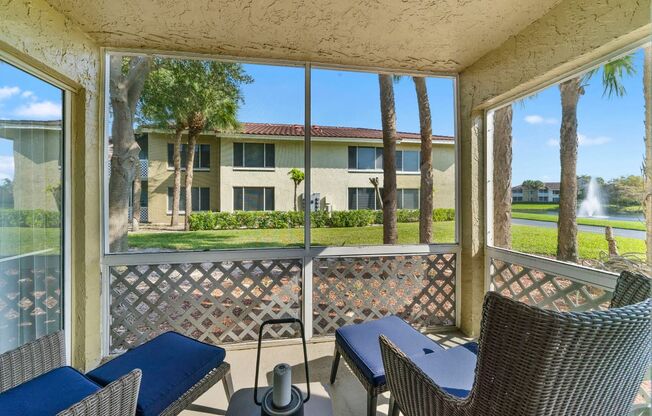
347, 395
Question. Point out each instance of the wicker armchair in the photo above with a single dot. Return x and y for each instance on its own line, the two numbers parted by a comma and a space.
48, 353
540, 362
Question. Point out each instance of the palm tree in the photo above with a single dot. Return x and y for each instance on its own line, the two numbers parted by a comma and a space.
571, 91
647, 90
425, 126
388, 117
126, 82
502, 177
297, 177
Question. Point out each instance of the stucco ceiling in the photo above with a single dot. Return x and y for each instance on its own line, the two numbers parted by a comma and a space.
436, 35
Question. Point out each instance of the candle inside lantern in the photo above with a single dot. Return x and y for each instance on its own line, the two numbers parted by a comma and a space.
282, 386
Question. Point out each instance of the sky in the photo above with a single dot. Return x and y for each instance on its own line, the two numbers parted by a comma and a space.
611, 129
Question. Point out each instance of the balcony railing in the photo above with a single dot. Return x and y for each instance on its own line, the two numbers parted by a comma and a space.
226, 301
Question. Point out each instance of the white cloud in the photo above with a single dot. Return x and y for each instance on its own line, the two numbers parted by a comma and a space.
592, 141
28, 94
6, 92
6, 167
583, 140
537, 119
40, 110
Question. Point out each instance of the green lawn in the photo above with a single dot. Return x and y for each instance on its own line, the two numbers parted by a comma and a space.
17, 240
535, 240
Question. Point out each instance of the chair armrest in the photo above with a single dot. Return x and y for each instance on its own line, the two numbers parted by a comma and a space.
31, 360
117, 398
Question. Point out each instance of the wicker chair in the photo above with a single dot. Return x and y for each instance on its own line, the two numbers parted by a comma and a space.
540, 362
48, 353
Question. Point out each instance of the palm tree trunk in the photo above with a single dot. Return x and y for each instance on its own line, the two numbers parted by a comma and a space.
176, 192
502, 177
647, 89
135, 201
124, 93
426, 204
388, 115
568, 142
296, 185
190, 159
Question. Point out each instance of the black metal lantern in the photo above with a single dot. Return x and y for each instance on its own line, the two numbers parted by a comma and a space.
282, 399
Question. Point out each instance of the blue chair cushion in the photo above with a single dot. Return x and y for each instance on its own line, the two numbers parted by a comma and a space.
47, 394
361, 343
171, 364
453, 370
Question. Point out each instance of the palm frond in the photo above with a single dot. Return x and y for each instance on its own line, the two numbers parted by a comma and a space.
613, 73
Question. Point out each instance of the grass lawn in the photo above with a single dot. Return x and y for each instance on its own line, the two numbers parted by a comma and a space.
529, 239
17, 240
521, 207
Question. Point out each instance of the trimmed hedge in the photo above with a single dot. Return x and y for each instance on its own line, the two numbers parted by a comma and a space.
293, 219
33, 218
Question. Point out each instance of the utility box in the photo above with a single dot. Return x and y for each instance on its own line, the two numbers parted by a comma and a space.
315, 202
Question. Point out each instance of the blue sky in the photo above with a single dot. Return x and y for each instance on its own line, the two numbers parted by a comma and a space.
611, 129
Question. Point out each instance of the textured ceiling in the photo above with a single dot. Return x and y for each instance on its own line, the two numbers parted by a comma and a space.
436, 35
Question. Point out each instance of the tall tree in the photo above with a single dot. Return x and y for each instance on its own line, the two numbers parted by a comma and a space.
502, 177
162, 106
126, 81
647, 92
296, 176
426, 204
571, 91
388, 117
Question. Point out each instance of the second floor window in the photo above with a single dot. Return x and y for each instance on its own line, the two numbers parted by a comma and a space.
253, 155
365, 158
371, 158
202, 156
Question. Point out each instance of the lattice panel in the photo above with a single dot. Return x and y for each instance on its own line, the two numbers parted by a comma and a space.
217, 303
420, 289
30, 299
544, 290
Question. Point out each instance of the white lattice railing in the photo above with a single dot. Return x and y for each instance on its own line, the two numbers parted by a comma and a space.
551, 285
419, 288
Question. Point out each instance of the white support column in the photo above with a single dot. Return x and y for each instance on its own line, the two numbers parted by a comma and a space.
306, 291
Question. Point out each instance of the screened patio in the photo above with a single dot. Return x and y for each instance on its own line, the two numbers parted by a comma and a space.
97, 239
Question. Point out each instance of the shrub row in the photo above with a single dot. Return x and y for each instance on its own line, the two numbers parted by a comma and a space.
292, 219
37, 218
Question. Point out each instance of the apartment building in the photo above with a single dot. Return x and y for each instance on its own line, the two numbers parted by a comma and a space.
248, 169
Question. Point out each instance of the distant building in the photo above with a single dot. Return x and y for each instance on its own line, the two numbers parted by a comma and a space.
549, 193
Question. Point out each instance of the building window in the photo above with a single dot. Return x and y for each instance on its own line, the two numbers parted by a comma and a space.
201, 199
408, 199
363, 198
253, 199
253, 155
202, 156
543, 199
365, 158
407, 160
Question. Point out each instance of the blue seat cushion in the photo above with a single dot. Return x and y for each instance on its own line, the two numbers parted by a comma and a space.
47, 394
453, 370
361, 343
171, 364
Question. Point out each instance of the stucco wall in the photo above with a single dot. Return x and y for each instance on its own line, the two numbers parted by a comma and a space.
36, 34
570, 36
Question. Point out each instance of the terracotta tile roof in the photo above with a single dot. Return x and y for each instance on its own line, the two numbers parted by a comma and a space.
267, 129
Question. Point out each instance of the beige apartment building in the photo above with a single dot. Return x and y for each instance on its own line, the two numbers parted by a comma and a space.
248, 170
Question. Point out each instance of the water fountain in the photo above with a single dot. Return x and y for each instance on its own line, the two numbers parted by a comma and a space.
592, 204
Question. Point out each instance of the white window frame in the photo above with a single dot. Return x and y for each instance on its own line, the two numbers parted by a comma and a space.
409, 172
308, 251
598, 278
197, 156
183, 212
68, 91
264, 188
